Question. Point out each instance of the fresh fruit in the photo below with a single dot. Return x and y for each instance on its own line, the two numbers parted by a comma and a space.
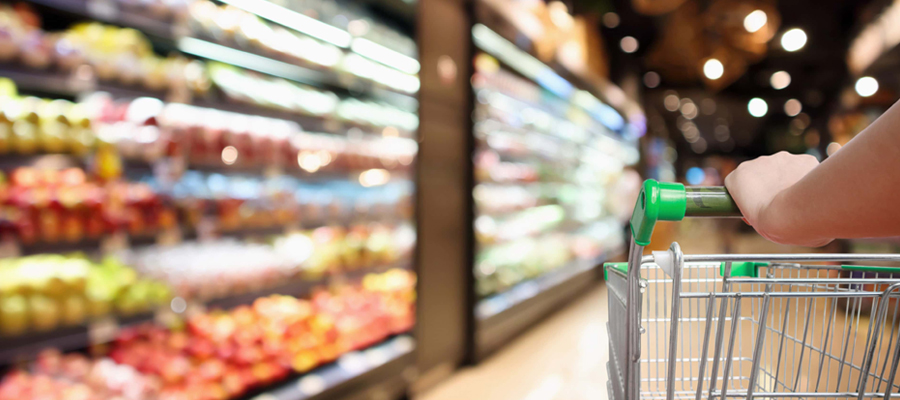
13, 315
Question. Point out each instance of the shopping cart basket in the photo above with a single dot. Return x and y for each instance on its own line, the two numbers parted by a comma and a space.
746, 325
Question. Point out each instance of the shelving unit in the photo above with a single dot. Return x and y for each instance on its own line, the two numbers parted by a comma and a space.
537, 126
382, 368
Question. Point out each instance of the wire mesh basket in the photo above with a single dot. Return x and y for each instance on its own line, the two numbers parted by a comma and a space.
748, 325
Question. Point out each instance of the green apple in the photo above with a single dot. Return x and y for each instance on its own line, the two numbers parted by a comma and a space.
44, 312
74, 310
13, 315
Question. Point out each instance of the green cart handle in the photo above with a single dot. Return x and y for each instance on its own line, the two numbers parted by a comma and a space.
666, 201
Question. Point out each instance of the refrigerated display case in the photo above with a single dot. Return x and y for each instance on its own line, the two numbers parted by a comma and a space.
547, 156
206, 199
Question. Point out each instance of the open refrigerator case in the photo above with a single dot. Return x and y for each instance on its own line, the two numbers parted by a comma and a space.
206, 200
548, 158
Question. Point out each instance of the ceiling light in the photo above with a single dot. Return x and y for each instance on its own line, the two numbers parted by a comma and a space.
792, 107
671, 102
722, 133
628, 44
713, 69
801, 122
832, 148
866, 86
757, 107
689, 110
755, 21
610, 20
708, 106
651, 79
780, 80
793, 39
699, 146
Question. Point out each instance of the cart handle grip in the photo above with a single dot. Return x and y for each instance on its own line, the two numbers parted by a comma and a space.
667, 201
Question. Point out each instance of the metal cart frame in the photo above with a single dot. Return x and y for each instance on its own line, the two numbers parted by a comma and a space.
748, 325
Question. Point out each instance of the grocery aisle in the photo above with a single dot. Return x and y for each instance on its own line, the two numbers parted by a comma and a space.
564, 357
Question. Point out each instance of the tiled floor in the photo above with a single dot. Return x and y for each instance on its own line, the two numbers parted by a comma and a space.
563, 358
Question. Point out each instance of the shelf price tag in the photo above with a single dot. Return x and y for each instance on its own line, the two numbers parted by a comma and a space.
311, 385
9, 248
103, 9
169, 237
206, 229
102, 331
114, 243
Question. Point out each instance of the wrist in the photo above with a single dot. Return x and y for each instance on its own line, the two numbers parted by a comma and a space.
776, 221
781, 222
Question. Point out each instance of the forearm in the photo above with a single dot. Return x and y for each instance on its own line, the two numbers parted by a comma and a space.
852, 194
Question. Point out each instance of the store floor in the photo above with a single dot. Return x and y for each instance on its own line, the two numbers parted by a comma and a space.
564, 357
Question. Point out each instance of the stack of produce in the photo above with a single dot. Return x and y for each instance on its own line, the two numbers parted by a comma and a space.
224, 354
120, 55
214, 269
39, 293
49, 205
77, 377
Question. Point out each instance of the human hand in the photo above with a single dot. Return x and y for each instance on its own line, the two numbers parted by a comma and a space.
757, 187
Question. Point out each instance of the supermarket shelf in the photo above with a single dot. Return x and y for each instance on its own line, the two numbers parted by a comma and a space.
110, 12
503, 316
109, 241
301, 288
23, 347
379, 372
173, 36
60, 84
83, 246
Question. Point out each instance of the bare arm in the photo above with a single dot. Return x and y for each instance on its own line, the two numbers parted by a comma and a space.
855, 193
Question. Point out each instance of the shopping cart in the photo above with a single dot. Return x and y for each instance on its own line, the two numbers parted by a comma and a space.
746, 325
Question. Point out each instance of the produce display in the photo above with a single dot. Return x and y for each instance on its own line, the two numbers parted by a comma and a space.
206, 270
31, 125
119, 55
148, 129
49, 205
500, 266
123, 56
71, 205
224, 354
544, 170
75, 376
177, 183
43, 292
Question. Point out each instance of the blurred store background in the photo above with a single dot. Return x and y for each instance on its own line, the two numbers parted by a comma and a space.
316, 199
